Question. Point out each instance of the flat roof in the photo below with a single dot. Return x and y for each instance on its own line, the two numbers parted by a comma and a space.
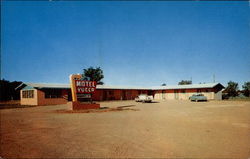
189, 86
67, 86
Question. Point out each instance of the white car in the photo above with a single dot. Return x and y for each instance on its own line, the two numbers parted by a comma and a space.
144, 98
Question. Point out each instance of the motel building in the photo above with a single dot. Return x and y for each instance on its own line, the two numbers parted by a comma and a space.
52, 94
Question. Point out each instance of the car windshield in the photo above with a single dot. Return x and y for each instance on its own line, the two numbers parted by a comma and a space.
198, 95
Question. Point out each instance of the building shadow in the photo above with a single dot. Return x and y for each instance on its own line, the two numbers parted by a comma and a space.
125, 106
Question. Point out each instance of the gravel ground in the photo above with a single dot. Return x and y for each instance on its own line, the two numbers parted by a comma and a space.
164, 129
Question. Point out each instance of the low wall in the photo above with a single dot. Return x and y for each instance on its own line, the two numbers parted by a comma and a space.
52, 101
49, 101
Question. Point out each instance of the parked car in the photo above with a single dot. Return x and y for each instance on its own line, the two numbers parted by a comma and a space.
144, 98
198, 97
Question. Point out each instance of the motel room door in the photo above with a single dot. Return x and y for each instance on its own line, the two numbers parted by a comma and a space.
105, 95
151, 93
124, 97
176, 94
164, 95
69, 95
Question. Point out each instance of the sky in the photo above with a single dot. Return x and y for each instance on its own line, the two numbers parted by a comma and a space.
143, 43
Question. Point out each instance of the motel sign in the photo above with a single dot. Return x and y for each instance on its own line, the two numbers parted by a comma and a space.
83, 87
82, 92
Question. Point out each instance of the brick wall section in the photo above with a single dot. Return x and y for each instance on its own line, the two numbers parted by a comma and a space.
179, 94
97, 96
50, 101
116, 94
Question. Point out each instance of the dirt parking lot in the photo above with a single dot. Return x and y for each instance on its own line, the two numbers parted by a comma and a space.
167, 129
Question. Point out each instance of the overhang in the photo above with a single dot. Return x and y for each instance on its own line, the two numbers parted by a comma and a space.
67, 86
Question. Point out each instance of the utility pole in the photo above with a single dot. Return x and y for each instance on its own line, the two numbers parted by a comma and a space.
214, 78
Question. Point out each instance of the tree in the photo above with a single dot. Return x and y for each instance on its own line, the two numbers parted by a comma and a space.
246, 88
164, 84
231, 89
93, 74
7, 90
4, 90
184, 82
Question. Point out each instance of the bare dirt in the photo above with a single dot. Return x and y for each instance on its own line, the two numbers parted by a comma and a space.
168, 129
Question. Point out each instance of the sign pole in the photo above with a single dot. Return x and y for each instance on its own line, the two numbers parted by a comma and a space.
72, 79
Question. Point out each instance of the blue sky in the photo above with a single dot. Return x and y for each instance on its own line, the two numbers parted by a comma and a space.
135, 43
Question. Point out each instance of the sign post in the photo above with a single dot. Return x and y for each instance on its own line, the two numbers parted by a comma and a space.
82, 92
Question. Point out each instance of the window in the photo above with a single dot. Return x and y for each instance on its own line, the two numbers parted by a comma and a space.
28, 94
183, 91
198, 90
111, 92
53, 93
